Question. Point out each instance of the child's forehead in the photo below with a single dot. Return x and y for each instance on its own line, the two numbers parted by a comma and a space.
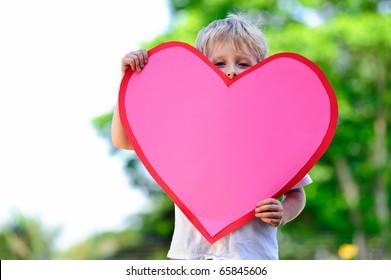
216, 44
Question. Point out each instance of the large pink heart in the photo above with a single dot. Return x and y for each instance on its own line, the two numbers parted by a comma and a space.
218, 146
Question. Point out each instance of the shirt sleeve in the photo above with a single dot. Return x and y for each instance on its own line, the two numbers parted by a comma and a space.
303, 182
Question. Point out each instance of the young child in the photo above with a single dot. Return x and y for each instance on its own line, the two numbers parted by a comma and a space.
233, 44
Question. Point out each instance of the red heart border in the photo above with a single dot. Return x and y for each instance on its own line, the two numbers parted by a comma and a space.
303, 171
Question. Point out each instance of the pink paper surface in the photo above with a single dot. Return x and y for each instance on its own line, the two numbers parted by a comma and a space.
218, 146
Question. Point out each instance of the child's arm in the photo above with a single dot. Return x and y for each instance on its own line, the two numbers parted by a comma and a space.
276, 213
118, 135
136, 61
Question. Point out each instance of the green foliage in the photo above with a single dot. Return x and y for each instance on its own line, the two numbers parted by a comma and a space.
25, 238
147, 237
103, 124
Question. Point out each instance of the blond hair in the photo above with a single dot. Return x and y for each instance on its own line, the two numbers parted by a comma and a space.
239, 29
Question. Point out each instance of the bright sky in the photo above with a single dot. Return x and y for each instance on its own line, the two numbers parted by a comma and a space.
60, 68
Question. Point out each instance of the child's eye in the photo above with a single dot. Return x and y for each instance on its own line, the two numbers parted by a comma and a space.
219, 64
244, 65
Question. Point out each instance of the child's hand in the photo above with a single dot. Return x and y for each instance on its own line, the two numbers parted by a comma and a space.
270, 211
135, 60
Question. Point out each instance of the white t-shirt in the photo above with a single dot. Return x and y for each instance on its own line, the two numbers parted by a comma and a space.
254, 240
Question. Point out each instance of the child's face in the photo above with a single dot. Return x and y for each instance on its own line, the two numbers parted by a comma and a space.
231, 62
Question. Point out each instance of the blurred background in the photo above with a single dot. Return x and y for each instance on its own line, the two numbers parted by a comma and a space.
66, 193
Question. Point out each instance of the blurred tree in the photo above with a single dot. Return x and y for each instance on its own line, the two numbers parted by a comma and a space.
128, 244
25, 238
349, 201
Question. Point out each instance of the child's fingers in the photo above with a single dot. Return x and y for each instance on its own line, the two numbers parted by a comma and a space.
136, 60
133, 61
272, 218
269, 215
140, 58
272, 222
144, 54
268, 202
126, 63
270, 211
269, 208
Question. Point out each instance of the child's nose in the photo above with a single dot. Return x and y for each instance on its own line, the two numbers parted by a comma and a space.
231, 72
